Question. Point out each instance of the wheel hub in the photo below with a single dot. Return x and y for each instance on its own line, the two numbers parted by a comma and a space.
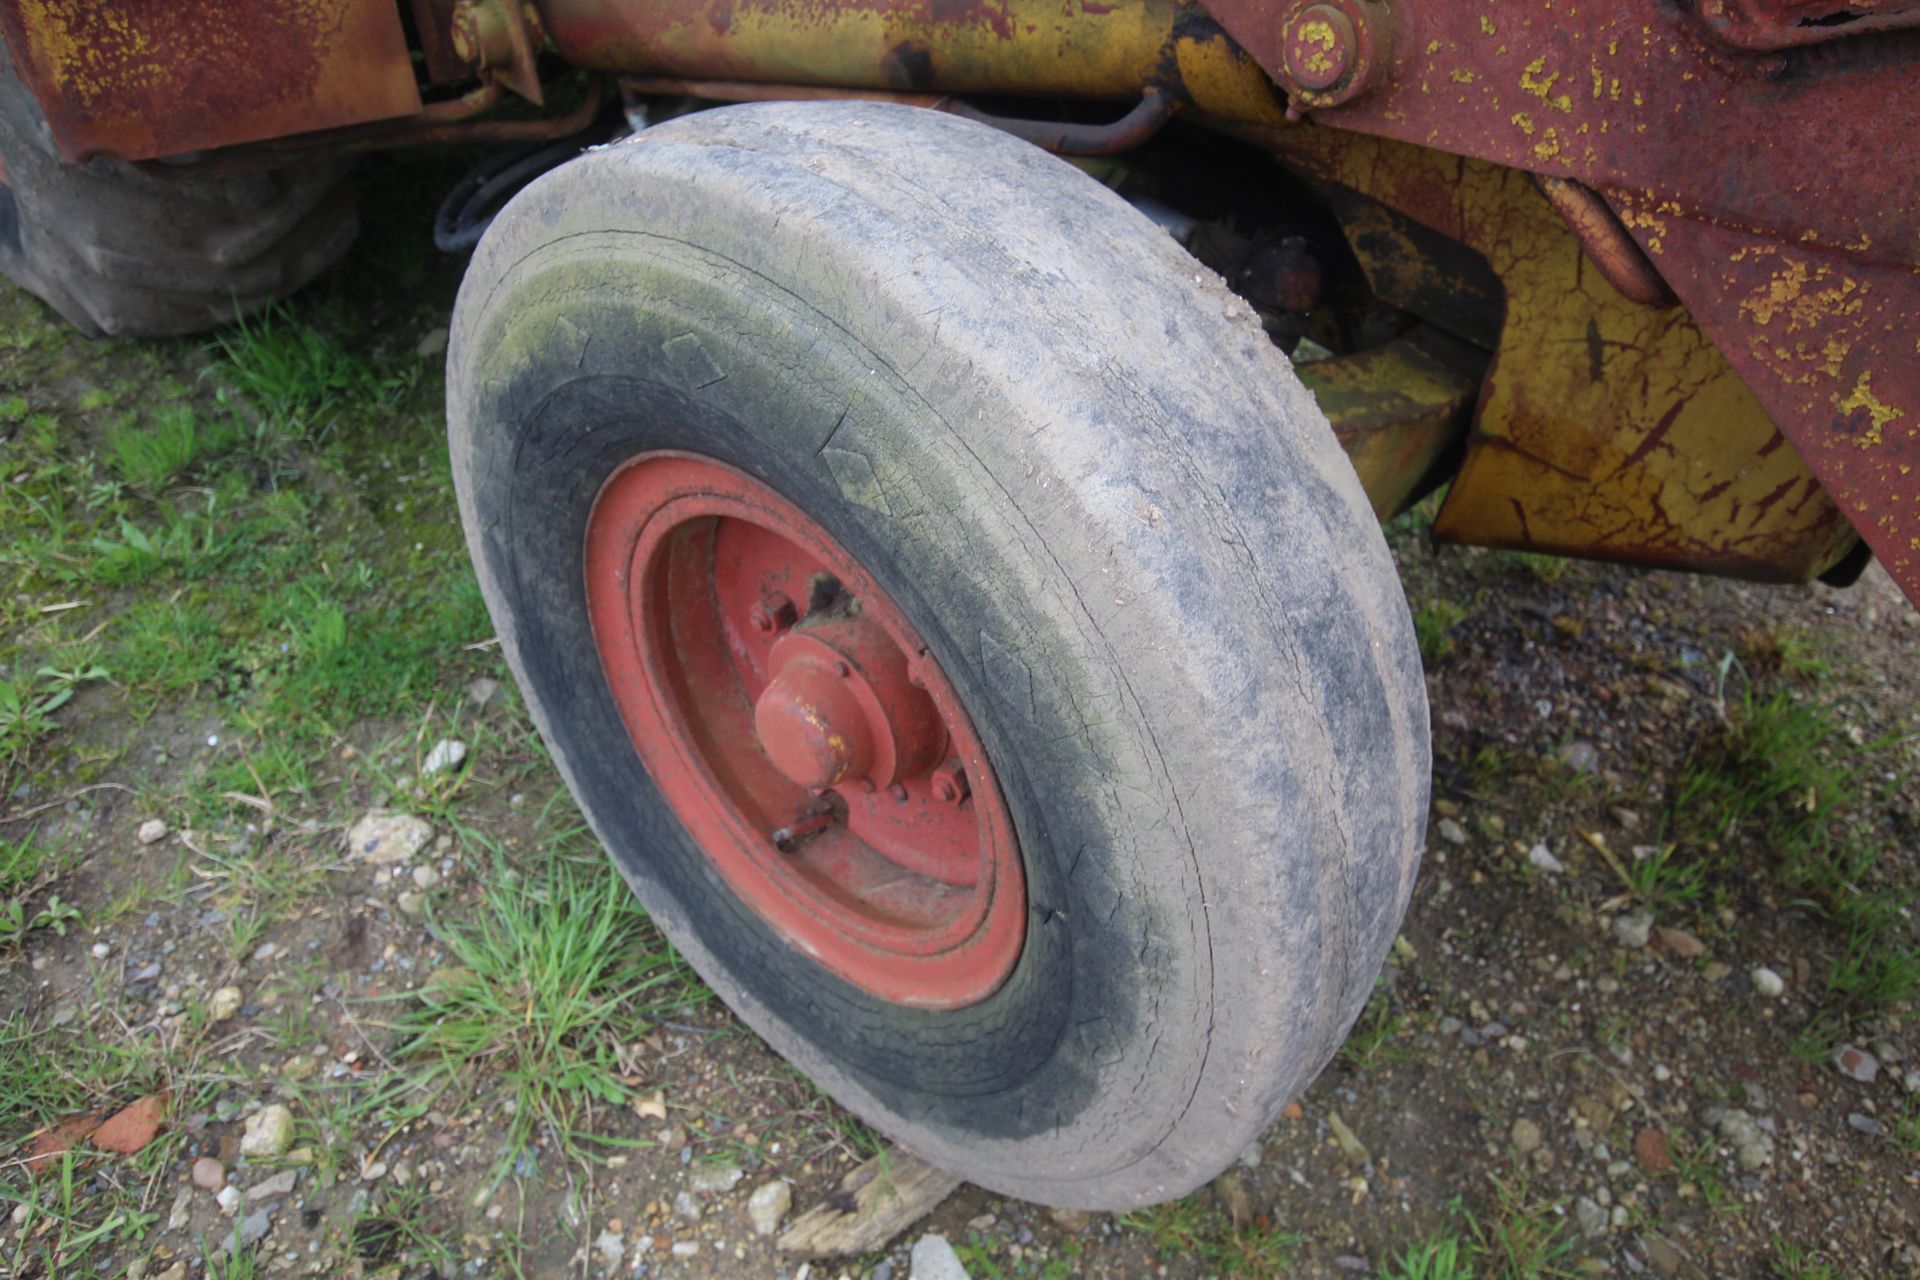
802, 732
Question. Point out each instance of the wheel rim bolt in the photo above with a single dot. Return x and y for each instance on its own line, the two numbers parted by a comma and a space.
772, 613
950, 784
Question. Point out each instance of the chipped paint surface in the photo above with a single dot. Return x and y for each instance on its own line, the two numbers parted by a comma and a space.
1641, 98
1827, 342
1605, 427
138, 79
1075, 48
1766, 166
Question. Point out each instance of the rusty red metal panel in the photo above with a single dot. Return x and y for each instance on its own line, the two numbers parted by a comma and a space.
1801, 157
142, 79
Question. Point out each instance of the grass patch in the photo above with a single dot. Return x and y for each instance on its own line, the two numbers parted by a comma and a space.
1371, 1042
1440, 1257
1524, 1238
1785, 778
301, 376
147, 454
1433, 624
551, 976
1195, 1231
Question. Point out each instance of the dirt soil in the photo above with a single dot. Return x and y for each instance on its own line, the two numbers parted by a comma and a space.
1573, 1065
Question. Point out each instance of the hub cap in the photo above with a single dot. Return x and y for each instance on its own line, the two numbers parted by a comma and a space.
799, 729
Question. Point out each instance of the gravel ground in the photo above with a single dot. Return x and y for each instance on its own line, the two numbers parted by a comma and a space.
1624, 1031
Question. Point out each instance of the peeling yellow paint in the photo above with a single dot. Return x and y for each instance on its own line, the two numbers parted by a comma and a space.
1542, 88
1525, 122
1879, 413
1486, 25
1606, 428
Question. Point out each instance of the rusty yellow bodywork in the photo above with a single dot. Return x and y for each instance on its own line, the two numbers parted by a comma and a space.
1606, 427
1397, 409
1077, 48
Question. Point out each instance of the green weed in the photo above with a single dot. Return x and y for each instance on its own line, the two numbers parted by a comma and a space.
1442, 1257
1792, 1262
1666, 878
1524, 1238
147, 454
1195, 1230
300, 377
977, 1255
1785, 776
1433, 624
27, 704
554, 972
1370, 1043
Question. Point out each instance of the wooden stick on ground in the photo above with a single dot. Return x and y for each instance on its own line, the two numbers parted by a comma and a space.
872, 1205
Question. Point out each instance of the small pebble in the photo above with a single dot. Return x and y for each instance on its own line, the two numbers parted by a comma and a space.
447, 754
715, 1179
1633, 930
152, 831
933, 1258
768, 1206
1768, 983
1857, 1064
223, 1004
269, 1132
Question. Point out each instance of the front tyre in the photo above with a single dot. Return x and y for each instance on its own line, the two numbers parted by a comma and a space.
958, 624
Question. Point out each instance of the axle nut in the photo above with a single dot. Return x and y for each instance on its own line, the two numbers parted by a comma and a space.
950, 785
1332, 51
1321, 47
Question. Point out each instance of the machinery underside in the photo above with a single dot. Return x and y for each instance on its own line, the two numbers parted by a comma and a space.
1564, 261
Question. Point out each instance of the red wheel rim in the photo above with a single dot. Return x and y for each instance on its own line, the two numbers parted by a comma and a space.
802, 733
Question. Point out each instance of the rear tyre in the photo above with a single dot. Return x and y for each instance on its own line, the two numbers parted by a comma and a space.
1077, 470
119, 251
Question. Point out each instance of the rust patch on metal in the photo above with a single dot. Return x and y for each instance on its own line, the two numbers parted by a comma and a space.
1831, 346
1768, 25
1606, 428
1398, 410
1780, 128
1042, 47
1607, 242
140, 79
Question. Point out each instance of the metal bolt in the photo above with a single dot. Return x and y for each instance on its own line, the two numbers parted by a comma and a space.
1321, 48
950, 785
773, 612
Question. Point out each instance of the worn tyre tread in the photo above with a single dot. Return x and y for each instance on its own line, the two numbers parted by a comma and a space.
1192, 620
